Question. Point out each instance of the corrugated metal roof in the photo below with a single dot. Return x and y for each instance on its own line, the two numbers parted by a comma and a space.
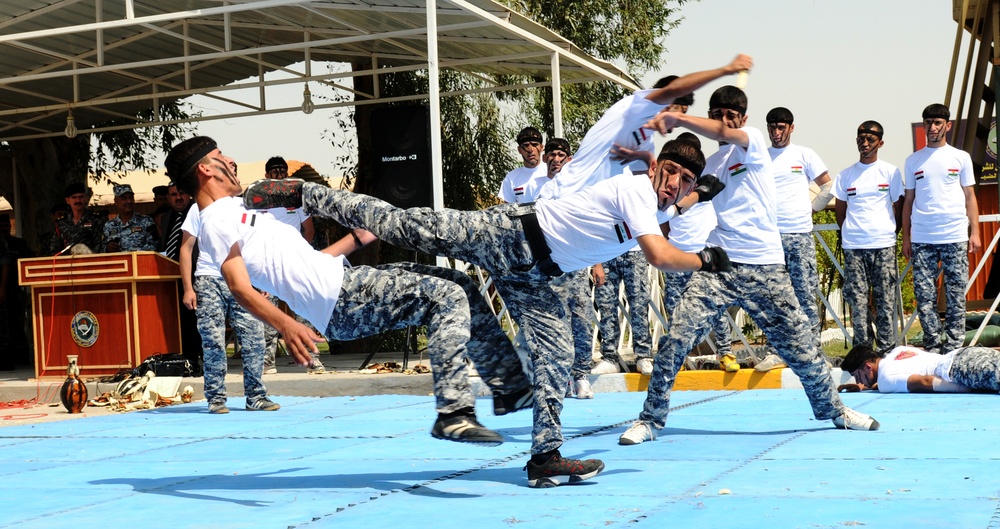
106, 62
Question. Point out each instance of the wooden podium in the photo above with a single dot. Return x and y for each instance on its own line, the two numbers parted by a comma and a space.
112, 310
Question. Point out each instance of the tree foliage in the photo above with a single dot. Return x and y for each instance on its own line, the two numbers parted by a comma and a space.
129, 149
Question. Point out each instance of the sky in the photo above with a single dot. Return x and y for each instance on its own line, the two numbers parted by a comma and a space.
833, 63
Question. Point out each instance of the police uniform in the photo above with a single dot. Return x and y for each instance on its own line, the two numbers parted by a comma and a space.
137, 234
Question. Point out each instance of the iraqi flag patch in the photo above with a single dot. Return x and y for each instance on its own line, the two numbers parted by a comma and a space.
852, 191
623, 233
249, 218
919, 175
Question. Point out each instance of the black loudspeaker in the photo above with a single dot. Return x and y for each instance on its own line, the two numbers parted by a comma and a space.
401, 156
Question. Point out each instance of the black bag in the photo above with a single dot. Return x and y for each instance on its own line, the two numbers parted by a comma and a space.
164, 365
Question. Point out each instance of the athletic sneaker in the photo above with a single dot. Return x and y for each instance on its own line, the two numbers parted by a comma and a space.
464, 428
729, 364
605, 368
582, 388
639, 432
771, 361
267, 194
263, 404
316, 369
854, 420
558, 470
270, 370
517, 400
644, 366
217, 407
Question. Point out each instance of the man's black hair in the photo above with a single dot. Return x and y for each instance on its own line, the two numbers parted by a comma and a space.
182, 160
689, 136
684, 153
857, 357
729, 97
871, 127
529, 134
686, 99
935, 111
780, 115
275, 162
559, 144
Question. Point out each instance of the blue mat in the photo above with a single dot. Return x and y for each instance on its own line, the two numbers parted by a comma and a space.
725, 459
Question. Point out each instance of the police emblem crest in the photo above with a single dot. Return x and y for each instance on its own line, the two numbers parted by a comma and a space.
85, 328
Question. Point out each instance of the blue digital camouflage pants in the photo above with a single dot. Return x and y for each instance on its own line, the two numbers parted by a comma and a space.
871, 270
493, 239
632, 269
374, 300
574, 289
954, 259
976, 368
800, 260
673, 288
488, 347
765, 293
215, 304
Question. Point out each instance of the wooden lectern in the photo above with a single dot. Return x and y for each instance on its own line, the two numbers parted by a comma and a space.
111, 310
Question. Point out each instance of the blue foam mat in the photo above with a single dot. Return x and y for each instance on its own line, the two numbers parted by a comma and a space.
725, 459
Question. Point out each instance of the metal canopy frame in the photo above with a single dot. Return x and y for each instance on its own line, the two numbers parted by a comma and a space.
107, 59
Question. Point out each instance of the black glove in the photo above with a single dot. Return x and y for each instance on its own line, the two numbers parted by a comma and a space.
714, 259
707, 187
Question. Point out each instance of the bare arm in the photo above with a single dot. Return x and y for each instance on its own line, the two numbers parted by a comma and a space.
972, 211
349, 243
709, 128
308, 231
299, 339
189, 298
665, 256
689, 83
907, 211
840, 212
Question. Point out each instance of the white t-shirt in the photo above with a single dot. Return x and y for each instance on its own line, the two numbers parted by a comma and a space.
599, 223
294, 217
278, 260
746, 209
937, 176
903, 361
621, 124
794, 167
869, 191
192, 225
521, 185
689, 231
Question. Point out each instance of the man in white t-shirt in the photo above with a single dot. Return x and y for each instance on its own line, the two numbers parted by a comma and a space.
794, 167
252, 249
748, 231
521, 185
622, 127
277, 167
868, 212
940, 225
209, 296
907, 369
523, 247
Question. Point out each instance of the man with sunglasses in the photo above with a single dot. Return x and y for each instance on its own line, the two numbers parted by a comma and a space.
521, 185
869, 211
908, 369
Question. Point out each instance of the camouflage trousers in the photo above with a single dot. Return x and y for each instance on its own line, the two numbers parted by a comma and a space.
271, 339
872, 271
632, 269
673, 287
493, 239
766, 293
954, 261
800, 260
977, 368
574, 289
215, 304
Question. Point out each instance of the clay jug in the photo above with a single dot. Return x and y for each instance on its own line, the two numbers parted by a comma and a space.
74, 392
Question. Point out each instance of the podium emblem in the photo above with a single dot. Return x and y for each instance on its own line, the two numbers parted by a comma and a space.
85, 328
